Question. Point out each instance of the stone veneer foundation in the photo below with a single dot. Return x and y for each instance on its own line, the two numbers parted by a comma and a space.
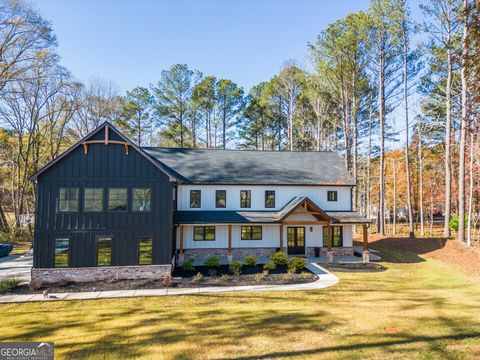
87, 274
337, 251
241, 252
202, 253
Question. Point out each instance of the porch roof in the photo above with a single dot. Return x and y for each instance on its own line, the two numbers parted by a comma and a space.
265, 217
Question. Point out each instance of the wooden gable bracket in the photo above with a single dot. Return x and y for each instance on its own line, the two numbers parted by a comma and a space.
106, 141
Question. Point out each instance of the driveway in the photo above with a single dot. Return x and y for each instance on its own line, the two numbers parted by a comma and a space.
16, 266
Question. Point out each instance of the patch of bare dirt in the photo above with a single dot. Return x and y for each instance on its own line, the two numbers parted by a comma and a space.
448, 251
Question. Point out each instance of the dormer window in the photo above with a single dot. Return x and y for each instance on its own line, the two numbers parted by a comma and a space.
270, 199
332, 195
221, 198
245, 198
195, 199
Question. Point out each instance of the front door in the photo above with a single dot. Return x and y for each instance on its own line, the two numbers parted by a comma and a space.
296, 240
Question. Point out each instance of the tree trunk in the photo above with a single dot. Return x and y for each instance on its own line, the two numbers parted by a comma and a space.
381, 197
463, 132
470, 188
420, 182
448, 169
394, 194
411, 232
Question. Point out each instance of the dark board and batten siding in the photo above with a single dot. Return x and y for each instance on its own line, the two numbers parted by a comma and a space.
105, 166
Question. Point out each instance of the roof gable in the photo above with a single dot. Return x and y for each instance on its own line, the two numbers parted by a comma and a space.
106, 134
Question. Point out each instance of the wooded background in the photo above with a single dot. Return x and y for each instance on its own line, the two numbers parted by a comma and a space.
398, 99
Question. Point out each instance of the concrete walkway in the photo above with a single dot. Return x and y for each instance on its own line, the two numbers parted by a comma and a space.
16, 266
325, 279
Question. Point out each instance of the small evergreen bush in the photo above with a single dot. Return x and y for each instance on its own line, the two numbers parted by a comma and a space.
296, 264
212, 261
250, 260
188, 265
270, 266
235, 267
279, 259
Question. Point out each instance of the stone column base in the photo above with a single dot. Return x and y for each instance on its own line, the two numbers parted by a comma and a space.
329, 257
366, 257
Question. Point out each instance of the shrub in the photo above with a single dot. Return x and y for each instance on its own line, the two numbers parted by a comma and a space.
35, 284
212, 261
235, 267
270, 266
279, 259
259, 277
167, 280
225, 277
188, 265
296, 264
197, 278
9, 283
250, 260
287, 277
307, 275
453, 223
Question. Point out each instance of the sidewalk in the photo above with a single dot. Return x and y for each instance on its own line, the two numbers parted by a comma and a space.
325, 279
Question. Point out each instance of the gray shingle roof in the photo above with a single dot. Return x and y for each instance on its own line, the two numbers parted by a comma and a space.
260, 217
201, 166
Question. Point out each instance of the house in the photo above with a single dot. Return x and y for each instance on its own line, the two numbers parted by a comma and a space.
107, 208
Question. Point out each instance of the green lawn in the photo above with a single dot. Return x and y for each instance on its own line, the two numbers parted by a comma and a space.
414, 310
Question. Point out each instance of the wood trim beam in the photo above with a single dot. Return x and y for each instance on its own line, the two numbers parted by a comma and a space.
281, 237
117, 142
305, 222
106, 134
181, 239
329, 238
229, 237
365, 238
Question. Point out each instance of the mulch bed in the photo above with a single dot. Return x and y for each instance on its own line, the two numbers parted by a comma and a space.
180, 280
354, 267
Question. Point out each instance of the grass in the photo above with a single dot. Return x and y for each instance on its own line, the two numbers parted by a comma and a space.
414, 310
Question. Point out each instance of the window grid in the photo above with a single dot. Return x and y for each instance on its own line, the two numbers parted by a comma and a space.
251, 233
204, 233
68, 200
93, 200
245, 198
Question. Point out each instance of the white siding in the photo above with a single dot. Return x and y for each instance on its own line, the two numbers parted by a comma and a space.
283, 194
270, 237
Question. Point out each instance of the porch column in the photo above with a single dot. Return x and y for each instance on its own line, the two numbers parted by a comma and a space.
180, 250
281, 238
366, 253
229, 238
329, 244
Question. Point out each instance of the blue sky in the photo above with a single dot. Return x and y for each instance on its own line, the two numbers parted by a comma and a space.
130, 42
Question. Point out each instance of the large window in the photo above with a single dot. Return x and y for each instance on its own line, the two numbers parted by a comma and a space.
145, 251
68, 200
245, 198
195, 198
270, 199
251, 233
117, 199
337, 236
221, 198
204, 233
332, 196
93, 200
104, 250
141, 199
62, 249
